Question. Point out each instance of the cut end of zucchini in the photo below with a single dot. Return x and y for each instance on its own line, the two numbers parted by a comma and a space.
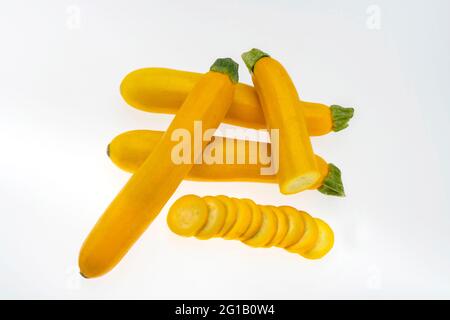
299, 184
332, 184
252, 57
227, 66
341, 116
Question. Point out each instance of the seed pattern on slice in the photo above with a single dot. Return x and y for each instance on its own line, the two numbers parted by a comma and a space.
216, 218
187, 215
259, 226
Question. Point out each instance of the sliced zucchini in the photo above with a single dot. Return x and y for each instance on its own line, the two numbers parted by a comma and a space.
216, 218
282, 226
324, 242
256, 221
187, 215
231, 214
296, 227
308, 240
267, 230
243, 220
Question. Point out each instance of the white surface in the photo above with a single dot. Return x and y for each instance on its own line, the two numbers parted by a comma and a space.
60, 106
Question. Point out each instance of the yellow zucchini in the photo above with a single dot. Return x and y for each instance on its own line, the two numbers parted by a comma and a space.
243, 220
279, 101
267, 230
324, 242
130, 149
163, 90
309, 237
255, 222
152, 185
188, 215
282, 226
296, 227
267, 226
216, 218
231, 217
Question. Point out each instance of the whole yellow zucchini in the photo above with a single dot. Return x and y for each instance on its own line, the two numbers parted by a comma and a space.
163, 90
148, 190
129, 150
282, 111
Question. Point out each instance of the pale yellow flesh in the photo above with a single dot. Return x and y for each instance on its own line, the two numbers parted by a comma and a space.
301, 183
216, 218
267, 230
187, 215
231, 214
282, 226
324, 242
308, 240
255, 222
243, 220
296, 227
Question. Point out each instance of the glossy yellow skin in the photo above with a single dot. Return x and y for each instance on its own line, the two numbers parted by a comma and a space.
151, 186
267, 230
282, 226
231, 217
296, 227
324, 242
309, 238
164, 90
279, 101
130, 149
216, 218
243, 220
266, 226
188, 215
256, 220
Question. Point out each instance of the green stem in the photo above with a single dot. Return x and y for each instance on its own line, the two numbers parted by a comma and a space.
251, 58
227, 66
332, 184
341, 116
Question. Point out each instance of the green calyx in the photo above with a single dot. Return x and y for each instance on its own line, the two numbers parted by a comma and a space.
251, 57
227, 66
341, 116
332, 184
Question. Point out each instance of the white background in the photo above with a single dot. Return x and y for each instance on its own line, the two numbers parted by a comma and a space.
61, 64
